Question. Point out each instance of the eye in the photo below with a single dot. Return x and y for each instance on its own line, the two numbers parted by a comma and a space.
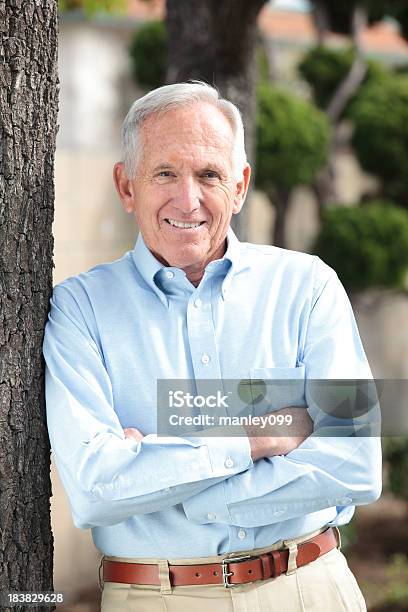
211, 174
165, 176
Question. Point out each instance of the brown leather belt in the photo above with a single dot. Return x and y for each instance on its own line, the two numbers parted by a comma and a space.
230, 572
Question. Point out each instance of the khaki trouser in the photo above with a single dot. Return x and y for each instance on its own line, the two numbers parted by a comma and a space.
324, 585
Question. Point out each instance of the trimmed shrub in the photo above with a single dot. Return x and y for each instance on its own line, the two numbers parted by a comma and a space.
148, 51
291, 142
324, 69
366, 245
380, 140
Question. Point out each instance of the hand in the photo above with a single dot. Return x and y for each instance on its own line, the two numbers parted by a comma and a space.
132, 432
278, 443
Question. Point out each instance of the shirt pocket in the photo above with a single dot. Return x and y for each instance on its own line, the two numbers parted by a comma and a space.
276, 388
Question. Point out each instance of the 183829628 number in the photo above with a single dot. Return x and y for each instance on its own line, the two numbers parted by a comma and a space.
29, 598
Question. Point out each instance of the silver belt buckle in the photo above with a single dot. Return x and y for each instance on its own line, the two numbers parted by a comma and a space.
226, 574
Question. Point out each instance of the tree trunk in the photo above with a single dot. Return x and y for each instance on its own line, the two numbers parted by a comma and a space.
321, 20
347, 88
28, 115
280, 200
215, 41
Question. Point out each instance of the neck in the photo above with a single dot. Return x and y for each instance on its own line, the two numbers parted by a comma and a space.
195, 272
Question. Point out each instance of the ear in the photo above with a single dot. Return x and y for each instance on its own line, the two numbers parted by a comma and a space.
241, 189
124, 187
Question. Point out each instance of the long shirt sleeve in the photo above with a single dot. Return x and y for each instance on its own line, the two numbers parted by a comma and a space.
107, 477
326, 470
117, 330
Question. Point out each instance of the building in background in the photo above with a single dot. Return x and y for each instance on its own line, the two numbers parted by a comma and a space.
96, 91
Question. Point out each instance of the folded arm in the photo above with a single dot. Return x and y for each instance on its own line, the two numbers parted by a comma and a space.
108, 476
333, 466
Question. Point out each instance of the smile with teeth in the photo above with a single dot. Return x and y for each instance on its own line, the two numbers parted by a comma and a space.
182, 225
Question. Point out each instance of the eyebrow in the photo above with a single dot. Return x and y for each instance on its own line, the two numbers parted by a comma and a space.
164, 166
167, 166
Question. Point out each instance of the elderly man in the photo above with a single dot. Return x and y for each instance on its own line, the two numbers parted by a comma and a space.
203, 522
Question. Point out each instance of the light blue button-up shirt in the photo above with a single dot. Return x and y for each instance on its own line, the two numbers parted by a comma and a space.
259, 312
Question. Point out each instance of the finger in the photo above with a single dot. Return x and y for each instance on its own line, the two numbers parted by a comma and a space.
134, 433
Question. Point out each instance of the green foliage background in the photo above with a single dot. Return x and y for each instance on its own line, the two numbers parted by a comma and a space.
91, 7
366, 245
292, 139
396, 453
324, 68
148, 52
380, 117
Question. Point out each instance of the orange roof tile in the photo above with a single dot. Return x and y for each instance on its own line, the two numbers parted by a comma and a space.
146, 9
286, 24
384, 37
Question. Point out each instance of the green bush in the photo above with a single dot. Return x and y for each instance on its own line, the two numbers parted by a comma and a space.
148, 51
380, 140
396, 455
324, 69
92, 7
292, 139
349, 535
366, 245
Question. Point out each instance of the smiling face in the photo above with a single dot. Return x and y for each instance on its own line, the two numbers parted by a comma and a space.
185, 191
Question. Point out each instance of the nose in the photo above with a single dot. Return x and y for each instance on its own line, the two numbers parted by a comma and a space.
187, 199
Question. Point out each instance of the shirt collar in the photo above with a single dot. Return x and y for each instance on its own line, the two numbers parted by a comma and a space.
148, 266
233, 255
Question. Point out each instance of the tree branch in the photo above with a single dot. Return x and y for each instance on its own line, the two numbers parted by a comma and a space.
352, 81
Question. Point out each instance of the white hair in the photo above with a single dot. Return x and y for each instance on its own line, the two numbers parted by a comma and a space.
159, 101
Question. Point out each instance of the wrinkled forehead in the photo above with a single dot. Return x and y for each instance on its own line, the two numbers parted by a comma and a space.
198, 124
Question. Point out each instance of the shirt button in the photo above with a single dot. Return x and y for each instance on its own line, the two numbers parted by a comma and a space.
242, 534
169, 274
205, 358
197, 303
211, 516
229, 462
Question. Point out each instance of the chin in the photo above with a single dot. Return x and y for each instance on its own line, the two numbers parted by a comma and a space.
186, 257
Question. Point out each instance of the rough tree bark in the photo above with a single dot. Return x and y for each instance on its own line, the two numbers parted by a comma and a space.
215, 41
28, 126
